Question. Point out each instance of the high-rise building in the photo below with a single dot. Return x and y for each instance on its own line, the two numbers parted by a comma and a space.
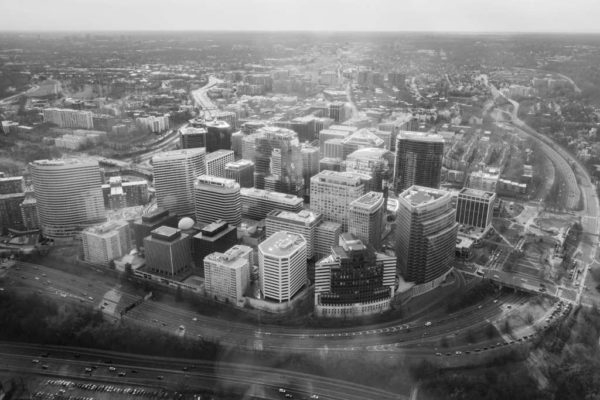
418, 160
67, 118
191, 137
118, 194
257, 203
328, 134
167, 251
277, 160
354, 280
475, 208
425, 235
241, 171
174, 174
365, 218
12, 195
106, 242
12, 184
217, 236
303, 223
337, 111
217, 198
216, 161
218, 135
282, 265
310, 164
377, 163
29, 212
68, 194
227, 275
332, 192
331, 164
149, 222
327, 235
237, 143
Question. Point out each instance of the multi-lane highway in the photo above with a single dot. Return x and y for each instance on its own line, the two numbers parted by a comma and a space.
121, 369
201, 98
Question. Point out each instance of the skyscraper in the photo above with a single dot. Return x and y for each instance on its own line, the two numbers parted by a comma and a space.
277, 160
282, 265
425, 235
217, 198
303, 223
475, 207
218, 135
227, 275
354, 280
191, 137
310, 164
174, 174
67, 118
104, 243
332, 192
216, 161
365, 218
168, 251
68, 194
241, 171
377, 163
418, 160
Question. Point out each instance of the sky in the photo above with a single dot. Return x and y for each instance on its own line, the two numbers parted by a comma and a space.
304, 15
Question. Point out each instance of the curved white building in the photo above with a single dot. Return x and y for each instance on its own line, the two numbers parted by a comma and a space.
282, 265
68, 194
174, 174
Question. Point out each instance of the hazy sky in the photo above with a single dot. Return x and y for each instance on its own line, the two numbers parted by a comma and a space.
333, 15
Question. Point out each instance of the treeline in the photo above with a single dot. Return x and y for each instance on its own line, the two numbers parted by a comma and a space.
472, 296
35, 319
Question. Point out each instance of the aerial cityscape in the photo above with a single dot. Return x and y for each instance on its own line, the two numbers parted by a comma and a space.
275, 213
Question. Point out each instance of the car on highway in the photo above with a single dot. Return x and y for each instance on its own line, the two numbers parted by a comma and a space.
428, 323
45, 366
282, 390
122, 373
35, 361
160, 377
289, 396
88, 370
314, 396
112, 369
458, 353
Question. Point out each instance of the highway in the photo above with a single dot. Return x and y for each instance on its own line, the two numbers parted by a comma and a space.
69, 362
201, 98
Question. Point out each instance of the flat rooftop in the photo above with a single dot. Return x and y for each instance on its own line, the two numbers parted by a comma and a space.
273, 196
368, 200
282, 243
476, 193
420, 195
216, 181
165, 233
304, 216
239, 163
181, 153
421, 136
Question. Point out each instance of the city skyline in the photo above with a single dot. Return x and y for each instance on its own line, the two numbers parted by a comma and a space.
334, 15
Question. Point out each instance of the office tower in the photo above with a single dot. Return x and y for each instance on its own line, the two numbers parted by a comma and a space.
328, 134
68, 195
149, 222
154, 124
425, 235
277, 160
191, 137
29, 212
237, 143
332, 192
167, 251
377, 163
327, 235
365, 218
227, 275
217, 198
216, 161
418, 160
241, 171
334, 148
12, 195
67, 118
226, 116
310, 164
249, 127
305, 127
174, 174
218, 135
354, 280
303, 223
217, 236
257, 203
106, 242
11, 185
475, 208
361, 139
337, 111
118, 194
331, 164
282, 265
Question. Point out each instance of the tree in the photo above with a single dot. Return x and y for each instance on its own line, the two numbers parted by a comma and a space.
506, 328
179, 294
490, 331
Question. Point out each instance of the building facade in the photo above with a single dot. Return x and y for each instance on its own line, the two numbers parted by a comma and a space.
227, 275
174, 174
241, 171
216, 162
67, 118
303, 223
365, 218
418, 160
257, 203
167, 251
68, 195
282, 266
475, 208
217, 198
107, 242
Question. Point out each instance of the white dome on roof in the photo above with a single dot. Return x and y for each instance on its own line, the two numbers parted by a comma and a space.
185, 223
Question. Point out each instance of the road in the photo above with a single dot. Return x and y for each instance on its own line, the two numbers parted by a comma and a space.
586, 190
8, 100
201, 98
69, 362
409, 336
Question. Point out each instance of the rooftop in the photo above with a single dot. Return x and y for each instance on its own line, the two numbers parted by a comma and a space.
476, 193
165, 233
176, 154
340, 178
370, 200
273, 196
329, 226
421, 136
107, 228
371, 153
217, 154
282, 243
217, 123
239, 163
216, 181
420, 195
304, 216
65, 162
